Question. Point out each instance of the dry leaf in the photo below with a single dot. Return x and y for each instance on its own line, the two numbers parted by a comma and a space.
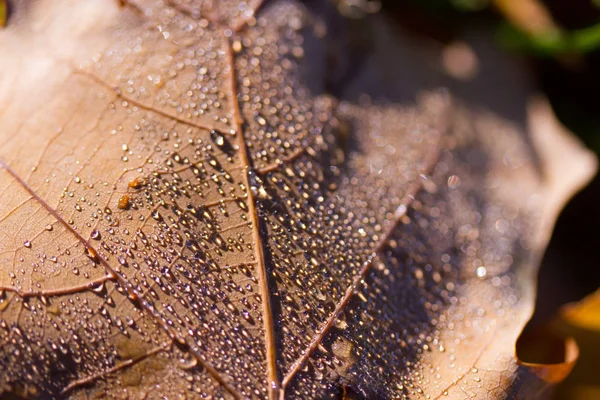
581, 320
185, 212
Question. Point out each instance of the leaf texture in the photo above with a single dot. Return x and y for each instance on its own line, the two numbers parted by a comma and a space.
187, 212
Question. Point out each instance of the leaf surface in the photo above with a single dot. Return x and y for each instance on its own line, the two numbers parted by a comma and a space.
186, 212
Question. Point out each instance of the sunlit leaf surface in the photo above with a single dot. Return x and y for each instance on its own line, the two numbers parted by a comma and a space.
193, 204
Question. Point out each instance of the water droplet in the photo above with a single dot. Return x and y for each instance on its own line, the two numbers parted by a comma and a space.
400, 211
219, 139
27, 244
137, 183
92, 254
124, 202
481, 272
186, 365
99, 288
95, 235
156, 215
242, 205
236, 46
453, 182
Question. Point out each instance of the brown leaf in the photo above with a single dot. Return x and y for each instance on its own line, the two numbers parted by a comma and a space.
185, 212
581, 321
3, 13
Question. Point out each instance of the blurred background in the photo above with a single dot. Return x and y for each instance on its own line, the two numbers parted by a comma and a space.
560, 40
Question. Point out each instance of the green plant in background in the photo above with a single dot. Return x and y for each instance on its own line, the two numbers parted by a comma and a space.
528, 26
470, 5
551, 42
